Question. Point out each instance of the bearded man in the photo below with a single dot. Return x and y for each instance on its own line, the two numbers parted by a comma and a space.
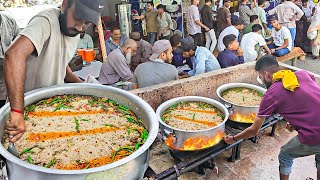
40, 55
117, 69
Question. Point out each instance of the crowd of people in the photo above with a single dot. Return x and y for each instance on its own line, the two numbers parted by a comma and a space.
216, 39
209, 43
38, 57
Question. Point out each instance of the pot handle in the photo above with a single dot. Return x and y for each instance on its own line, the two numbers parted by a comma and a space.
229, 107
167, 133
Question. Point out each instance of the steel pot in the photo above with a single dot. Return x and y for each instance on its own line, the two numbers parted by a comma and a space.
243, 111
178, 139
131, 167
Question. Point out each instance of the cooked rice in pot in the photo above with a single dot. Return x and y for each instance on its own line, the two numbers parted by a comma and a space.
73, 132
192, 116
243, 96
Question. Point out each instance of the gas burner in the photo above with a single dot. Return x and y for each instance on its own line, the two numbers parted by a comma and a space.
205, 159
181, 156
242, 126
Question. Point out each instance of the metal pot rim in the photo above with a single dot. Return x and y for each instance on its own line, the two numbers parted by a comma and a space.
216, 103
150, 112
225, 87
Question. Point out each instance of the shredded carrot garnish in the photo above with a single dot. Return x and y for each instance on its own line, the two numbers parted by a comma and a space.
63, 113
208, 123
200, 111
54, 135
94, 162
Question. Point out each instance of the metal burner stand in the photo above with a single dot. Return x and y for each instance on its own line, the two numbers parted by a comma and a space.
200, 160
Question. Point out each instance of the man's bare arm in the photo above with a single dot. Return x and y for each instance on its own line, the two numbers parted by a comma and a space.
14, 75
271, 41
285, 45
202, 25
15, 70
71, 77
138, 17
266, 48
229, 21
247, 133
252, 130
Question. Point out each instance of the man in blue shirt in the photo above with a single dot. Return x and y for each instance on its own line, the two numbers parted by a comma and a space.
233, 54
116, 40
178, 60
202, 59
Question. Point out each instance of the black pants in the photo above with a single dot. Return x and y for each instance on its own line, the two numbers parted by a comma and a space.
2, 103
197, 39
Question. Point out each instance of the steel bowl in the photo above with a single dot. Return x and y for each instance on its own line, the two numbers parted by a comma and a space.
238, 109
131, 167
176, 138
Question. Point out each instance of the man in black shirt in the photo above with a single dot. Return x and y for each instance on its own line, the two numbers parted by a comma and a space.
207, 20
233, 54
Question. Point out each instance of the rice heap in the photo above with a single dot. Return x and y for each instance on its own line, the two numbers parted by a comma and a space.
73, 132
192, 116
243, 96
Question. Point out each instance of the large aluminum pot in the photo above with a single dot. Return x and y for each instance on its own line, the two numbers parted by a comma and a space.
188, 140
237, 111
131, 167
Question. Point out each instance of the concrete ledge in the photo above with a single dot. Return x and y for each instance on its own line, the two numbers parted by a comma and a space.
202, 85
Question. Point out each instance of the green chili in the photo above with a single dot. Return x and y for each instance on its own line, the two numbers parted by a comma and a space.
43, 101
28, 150
51, 163
130, 119
174, 106
87, 166
128, 131
136, 147
30, 160
123, 107
260, 94
55, 100
144, 135
77, 124
110, 125
112, 102
123, 148
221, 115
62, 106
25, 115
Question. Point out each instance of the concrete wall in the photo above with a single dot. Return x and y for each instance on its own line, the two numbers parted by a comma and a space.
203, 85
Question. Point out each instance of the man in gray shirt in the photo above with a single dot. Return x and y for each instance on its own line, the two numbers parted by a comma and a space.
245, 12
144, 51
164, 21
8, 32
193, 22
117, 66
158, 70
39, 56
